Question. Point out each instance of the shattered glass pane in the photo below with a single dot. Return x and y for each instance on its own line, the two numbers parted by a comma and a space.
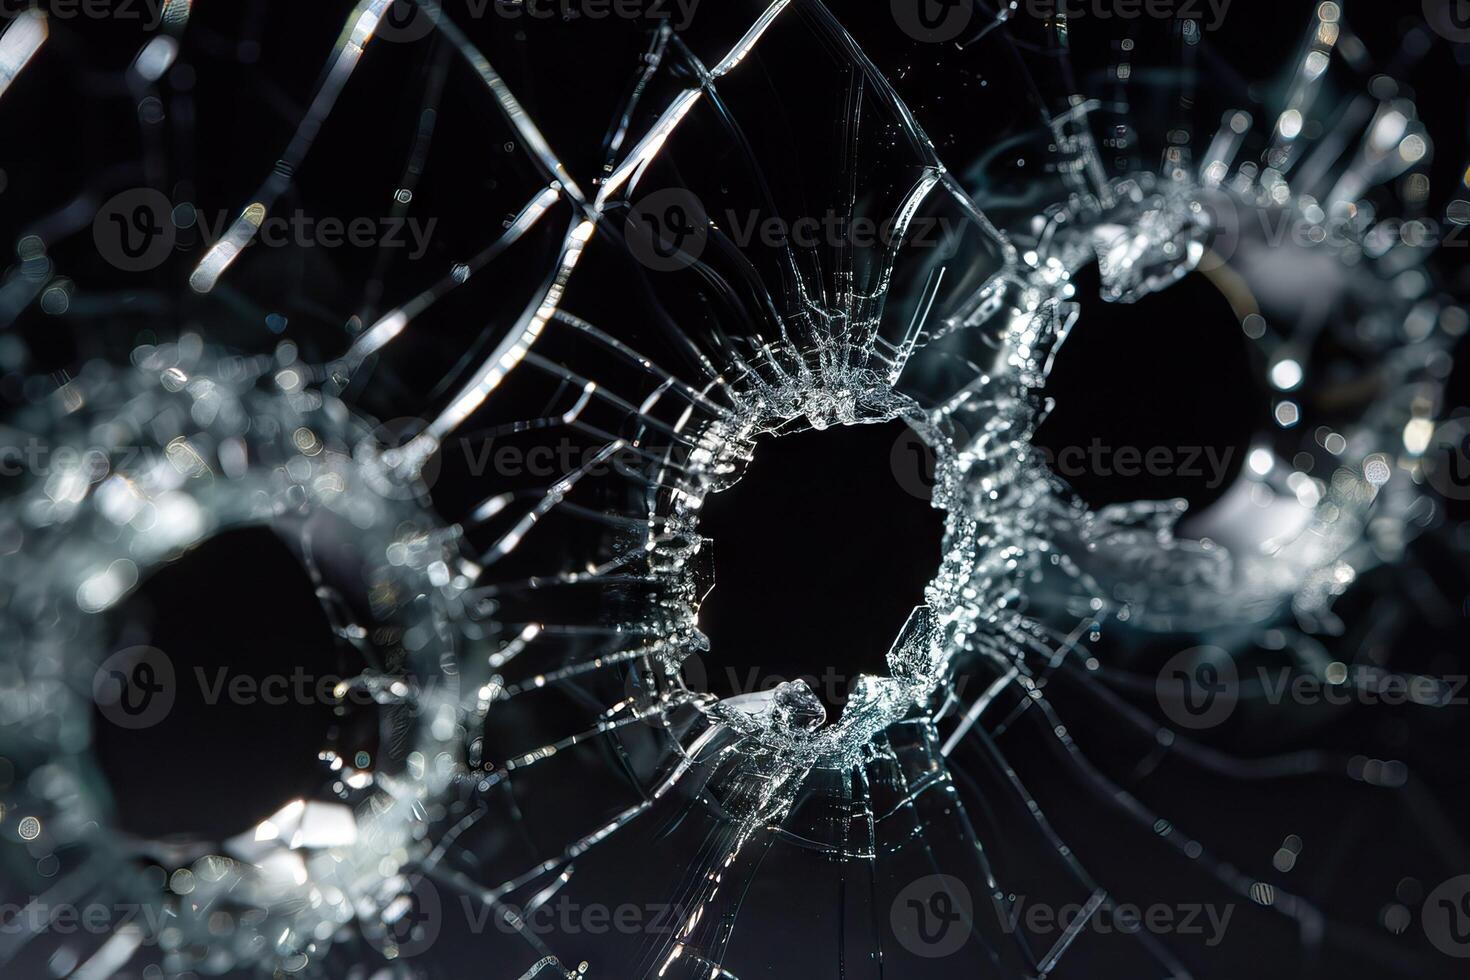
388, 388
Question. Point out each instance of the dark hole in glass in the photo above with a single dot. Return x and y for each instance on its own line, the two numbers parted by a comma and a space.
821, 552
254, 662
1155, 399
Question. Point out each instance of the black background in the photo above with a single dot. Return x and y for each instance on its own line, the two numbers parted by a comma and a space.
1122, 378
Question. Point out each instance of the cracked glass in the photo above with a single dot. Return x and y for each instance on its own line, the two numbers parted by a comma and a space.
479, 417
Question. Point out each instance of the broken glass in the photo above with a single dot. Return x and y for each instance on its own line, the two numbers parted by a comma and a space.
714, 232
